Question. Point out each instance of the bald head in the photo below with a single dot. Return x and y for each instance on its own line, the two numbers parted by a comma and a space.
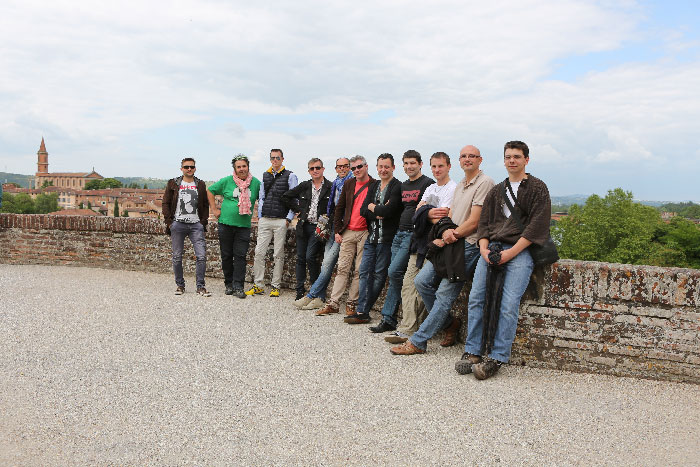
470, 160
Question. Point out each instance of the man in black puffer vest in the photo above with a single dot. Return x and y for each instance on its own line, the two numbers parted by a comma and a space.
273, 219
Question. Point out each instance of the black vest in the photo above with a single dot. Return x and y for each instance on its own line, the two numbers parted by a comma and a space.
275, 186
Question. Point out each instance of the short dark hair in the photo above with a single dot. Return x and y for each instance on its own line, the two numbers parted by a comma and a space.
442, 155
411, 154
386, 155
517, 145
277, 150
313, 160
187, 159
240, 157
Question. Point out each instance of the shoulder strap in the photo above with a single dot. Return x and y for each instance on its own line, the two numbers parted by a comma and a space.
513, 212
360, 191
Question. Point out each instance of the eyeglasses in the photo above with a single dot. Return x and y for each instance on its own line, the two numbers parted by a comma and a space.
470, 156
342, 166
188, 167
275, 158
357, 167
315, 168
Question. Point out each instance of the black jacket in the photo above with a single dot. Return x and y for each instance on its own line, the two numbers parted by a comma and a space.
298, 199
390, 211
448, 261
274, 185
421, 228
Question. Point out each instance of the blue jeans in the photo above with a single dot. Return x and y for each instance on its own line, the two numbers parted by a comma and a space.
518, 271
399, 262
373, 272
308, 249
330, 257
195, 232
438, 298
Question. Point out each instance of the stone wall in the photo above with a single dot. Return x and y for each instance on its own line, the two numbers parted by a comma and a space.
581, 316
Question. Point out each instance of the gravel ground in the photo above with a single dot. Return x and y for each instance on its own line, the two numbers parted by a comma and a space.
104, 367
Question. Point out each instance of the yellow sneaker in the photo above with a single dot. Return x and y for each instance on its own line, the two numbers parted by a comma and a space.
255, 290
275, 292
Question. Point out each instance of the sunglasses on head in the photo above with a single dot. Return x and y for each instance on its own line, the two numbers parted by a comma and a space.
188, 167
357, 167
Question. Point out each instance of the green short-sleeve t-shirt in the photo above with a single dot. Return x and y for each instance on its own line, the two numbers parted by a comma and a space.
227, 188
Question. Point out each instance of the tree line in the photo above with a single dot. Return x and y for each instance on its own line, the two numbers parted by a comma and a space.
615, 229
22, 203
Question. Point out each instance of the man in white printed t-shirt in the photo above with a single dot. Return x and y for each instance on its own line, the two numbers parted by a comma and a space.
465, 211
438, 194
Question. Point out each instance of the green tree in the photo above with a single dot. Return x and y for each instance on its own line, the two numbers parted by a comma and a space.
145, 186
125, 213
46, 202
89, 206
46, 183
613, 229
103, 184
116, 208
691, 212
20, 203
683, 236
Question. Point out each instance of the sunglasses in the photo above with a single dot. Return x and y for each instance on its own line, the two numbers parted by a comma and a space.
188, 167
275, 158
340, 166
315, 168
357, 167
469, 156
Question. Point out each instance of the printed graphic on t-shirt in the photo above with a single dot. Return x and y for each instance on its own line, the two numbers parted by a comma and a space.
187, 203
411, 195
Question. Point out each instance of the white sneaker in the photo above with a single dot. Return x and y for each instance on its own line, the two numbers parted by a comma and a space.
314, 304
302, 302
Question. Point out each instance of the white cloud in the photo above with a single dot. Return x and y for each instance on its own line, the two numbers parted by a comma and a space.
136, 79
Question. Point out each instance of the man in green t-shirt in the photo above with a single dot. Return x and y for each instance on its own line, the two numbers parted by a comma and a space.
239, 192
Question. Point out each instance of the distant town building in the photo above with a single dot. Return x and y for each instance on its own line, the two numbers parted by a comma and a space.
74, 180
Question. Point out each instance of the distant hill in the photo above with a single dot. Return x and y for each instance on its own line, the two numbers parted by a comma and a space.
569, 200
154, 183
22, 180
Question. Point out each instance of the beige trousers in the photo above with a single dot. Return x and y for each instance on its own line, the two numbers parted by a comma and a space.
351, 249
413, 310
267, 229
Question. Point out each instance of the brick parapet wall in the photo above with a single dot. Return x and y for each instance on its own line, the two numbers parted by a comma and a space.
581, 316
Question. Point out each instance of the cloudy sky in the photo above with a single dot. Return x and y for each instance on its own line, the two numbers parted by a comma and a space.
606, 93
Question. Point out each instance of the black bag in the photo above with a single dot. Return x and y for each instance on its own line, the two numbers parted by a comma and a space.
542, 255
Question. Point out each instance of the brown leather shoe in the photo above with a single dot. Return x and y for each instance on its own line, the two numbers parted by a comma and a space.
450, 338
407, 348
350, 309
327, 310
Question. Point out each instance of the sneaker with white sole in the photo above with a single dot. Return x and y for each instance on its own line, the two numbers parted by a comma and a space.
302, 302
314, 304
180, 290
203, 292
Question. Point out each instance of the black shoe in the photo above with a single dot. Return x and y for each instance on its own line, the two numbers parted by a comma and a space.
300, 295
240, 293
358, 318
383, 326
229, 290
486, 369
464, 365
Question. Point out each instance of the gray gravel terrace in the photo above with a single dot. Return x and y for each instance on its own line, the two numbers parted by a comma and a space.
108, 367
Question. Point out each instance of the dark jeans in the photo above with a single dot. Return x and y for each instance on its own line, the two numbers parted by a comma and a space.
234, 242
195, 232
373, 271
308, 251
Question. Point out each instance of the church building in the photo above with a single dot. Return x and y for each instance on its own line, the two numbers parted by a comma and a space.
74, 180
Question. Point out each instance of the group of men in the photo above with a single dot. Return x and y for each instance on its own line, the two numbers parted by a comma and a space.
427, 236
